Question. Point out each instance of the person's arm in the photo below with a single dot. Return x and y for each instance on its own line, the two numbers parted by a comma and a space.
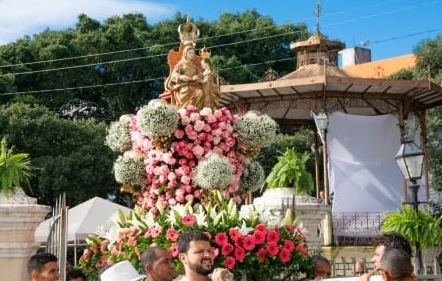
222, 274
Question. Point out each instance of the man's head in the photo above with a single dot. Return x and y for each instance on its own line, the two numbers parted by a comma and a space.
195, 253
387, 241
396, 265
322, 268
43, 267
157, 264
75, 275
359, 268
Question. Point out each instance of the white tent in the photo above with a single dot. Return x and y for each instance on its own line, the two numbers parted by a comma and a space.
84, 219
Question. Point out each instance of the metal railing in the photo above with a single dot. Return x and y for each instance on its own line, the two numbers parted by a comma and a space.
356, 228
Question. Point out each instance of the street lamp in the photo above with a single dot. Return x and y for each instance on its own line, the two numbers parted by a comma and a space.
322, 124
410, 159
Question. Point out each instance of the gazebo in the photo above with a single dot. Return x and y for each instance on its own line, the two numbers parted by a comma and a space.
319, 85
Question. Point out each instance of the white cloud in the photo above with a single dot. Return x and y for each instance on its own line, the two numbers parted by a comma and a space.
28, 17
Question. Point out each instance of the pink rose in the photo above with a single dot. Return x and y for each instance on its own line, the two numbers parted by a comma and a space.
199, 125
207, 128
206, 111
194, 116
179, 134
198, 151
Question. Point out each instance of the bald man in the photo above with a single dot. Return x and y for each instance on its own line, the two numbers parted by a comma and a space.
396, 265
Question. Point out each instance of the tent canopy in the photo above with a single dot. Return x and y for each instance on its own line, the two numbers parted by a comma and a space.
84, 219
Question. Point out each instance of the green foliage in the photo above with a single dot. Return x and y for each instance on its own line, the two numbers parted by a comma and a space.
14, 168
419, 226
67, 155
137, 76
290, 171
301, 141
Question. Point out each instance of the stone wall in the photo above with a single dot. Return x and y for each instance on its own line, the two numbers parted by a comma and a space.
19, 217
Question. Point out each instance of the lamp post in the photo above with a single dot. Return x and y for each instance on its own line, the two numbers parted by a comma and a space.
322, 123
410, 159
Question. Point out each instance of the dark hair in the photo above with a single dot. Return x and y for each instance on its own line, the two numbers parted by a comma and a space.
317, 258
75, 273
393, 240
397, 263
185, 239
149, 256
37, 261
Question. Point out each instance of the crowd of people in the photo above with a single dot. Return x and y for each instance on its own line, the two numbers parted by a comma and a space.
391, 259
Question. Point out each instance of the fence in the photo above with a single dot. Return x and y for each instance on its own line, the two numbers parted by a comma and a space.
356, 228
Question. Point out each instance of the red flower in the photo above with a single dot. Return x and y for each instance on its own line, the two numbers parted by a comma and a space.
221, 239
273, 236
226, 249
230, 262
261, 227
289, 245
272, 248
302, 249
284, 255
248, 242
240, 254
215, 251
259, 236
261, 255
172, 234
189, 220
235, 235
174, 250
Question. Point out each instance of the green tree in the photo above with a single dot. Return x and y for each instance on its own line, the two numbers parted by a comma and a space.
67, 155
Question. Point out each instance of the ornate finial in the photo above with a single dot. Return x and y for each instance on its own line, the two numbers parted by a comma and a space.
205, 52
188, 32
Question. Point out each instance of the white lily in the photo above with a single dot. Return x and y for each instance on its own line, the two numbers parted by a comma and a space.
244, 230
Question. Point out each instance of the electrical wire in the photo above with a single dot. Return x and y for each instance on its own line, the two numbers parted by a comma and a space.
233, 33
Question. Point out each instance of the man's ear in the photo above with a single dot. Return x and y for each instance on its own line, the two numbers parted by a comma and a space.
183, 258
385, 276
35, 275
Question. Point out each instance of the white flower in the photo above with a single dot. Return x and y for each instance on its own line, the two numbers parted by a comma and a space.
215, 172
244, 230
157, 120
118, 135
256, 131
253, 176
129, 168
201, 219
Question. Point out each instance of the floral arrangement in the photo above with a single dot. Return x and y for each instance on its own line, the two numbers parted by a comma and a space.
118, 135
256, 131
214, 172
129, 169
187, 164
251, 242
175, 146
253, 176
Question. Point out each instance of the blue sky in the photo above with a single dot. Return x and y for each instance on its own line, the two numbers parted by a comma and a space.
393, 27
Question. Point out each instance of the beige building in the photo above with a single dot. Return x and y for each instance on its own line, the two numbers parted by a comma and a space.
381, 68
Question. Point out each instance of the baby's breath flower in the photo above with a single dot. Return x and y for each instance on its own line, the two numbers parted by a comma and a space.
129, 168
157, 120
256, 130
252, 177
118, 134
215, 172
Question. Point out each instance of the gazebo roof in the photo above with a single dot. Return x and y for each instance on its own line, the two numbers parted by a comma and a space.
290, 99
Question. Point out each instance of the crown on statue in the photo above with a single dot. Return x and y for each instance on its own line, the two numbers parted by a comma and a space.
205, 52
189, 33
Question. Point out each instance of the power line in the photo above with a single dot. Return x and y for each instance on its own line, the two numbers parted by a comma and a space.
232, 33
139, 58
128, 82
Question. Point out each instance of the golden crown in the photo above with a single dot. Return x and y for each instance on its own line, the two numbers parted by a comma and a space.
188, 32
205, 52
